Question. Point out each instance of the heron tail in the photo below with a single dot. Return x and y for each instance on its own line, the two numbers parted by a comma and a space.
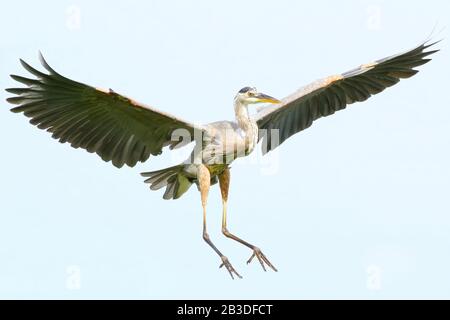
172, 178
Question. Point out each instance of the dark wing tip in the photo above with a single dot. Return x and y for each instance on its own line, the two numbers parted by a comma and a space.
43, 62
24, 64
427, 43
41, 57
14, 100
15, 90
46, 65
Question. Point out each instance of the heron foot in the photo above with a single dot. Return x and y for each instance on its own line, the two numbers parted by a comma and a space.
229, 267
262, 259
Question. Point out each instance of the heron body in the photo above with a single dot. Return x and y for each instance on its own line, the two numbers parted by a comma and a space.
125, 132
226, 141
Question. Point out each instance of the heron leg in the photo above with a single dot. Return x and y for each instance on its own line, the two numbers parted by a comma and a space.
204, 179
224, 181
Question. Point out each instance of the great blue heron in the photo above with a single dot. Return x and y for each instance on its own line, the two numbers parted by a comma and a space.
124, 131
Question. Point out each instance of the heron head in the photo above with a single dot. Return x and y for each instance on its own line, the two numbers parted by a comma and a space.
249, 95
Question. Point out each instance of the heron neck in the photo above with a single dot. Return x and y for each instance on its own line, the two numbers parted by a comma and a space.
242, 116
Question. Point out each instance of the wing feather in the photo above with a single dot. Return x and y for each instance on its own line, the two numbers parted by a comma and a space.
115, 127
324, 97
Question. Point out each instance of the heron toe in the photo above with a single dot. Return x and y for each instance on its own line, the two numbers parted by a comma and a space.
227, 264
262, 259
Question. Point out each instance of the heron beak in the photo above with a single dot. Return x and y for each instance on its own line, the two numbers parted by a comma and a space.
264, 98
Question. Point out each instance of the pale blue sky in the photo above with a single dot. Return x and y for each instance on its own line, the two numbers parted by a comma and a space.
357, 208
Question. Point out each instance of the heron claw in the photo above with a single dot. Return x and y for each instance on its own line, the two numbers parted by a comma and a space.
229, 267
262, 259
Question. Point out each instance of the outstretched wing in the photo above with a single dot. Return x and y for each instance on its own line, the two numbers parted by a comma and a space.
324, 97
117, 128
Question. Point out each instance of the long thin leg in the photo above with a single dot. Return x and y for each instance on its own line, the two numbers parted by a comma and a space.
224, 181
204, 179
